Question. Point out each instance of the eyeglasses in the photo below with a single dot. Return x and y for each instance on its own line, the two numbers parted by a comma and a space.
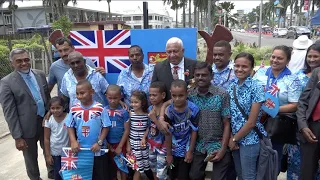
20, 61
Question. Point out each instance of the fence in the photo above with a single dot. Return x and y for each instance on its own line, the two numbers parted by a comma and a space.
39, 60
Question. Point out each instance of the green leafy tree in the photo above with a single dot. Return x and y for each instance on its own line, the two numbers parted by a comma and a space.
64, 24
227, 7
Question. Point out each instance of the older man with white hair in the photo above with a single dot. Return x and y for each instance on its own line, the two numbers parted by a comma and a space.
176, 66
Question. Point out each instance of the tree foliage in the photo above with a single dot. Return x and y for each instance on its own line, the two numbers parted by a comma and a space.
64, 24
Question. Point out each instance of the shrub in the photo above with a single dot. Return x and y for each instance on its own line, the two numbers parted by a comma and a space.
5, 66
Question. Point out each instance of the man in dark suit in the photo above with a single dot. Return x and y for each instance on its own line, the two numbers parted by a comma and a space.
308, 115
24, 98
176, 66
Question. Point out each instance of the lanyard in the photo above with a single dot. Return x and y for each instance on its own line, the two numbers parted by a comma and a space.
273, 81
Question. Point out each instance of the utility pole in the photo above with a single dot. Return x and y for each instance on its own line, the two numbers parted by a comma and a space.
145, 16
260, 24
225, 18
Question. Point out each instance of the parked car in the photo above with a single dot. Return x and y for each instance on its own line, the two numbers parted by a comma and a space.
296, 31
242, 30
279, 32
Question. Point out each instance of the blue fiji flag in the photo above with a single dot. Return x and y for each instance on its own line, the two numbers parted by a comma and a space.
76, 166
121, 163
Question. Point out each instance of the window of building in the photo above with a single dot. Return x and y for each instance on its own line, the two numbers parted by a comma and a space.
137, 18
150, 17
150, 26
137, 27
161, 18
127, 18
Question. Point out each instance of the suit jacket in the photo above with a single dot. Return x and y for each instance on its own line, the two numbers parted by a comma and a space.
19, 107
308, 100
162, 72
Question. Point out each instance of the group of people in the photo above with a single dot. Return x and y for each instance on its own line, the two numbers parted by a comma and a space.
174, 118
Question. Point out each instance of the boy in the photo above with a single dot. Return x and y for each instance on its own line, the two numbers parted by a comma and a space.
119, 130
90, 124
154, 138
182, 115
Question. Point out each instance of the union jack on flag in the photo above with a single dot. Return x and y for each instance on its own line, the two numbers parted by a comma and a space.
274, 89
114, 112
107, 49
86, 114
68, 160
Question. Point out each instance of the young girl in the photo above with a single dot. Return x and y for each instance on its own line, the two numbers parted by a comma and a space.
138, 127
55, 134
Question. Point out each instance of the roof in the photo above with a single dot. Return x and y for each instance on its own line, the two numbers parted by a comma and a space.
139, 11
67, 7
97, 23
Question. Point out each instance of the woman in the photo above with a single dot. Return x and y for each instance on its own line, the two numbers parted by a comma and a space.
288, 85
312, 61
245, 141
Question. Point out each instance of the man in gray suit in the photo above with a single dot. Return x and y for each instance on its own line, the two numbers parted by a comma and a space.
24, 98
176, 66
308, 115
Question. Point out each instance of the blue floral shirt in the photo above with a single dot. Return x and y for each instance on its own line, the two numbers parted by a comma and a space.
129, 82
303, 78
289, 85
248, 93
98, 82
225, 77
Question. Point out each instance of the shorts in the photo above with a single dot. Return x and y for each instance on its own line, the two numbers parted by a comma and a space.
158, 164
112, 165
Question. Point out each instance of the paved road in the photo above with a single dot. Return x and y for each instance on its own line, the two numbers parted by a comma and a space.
265, 41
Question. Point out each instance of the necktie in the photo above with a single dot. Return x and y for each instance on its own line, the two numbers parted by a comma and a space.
175, 72
36, 95
316, 112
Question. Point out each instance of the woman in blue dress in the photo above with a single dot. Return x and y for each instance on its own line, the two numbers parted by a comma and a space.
288, 85
244, 142
312, 61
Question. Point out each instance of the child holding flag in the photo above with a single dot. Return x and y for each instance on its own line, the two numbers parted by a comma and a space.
119, 130
55, 134
88, 125
154, 138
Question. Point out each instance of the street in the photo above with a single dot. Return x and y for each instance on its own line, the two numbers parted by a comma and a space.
266, 40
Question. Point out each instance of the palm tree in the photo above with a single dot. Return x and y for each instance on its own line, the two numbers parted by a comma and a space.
227, 6
58, 6
109, 10
175, 5
190, 13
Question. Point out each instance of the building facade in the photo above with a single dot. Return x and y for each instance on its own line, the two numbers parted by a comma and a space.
157, 20
38, 16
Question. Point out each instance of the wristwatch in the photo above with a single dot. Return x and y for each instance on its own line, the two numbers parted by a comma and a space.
100, 142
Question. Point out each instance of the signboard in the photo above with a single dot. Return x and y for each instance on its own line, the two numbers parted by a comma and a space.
109, 48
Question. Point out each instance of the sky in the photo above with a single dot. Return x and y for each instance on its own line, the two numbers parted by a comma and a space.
119, 5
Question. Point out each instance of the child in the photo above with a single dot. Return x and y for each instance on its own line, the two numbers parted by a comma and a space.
90, 124
119, 130
55, 134
182, 115
138, 126
154, 138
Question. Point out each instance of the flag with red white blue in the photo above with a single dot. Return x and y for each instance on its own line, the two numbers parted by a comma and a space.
76, 166
107, 49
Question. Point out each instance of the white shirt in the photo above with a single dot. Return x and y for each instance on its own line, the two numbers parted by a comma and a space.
297, 60
59, 135
180, 70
